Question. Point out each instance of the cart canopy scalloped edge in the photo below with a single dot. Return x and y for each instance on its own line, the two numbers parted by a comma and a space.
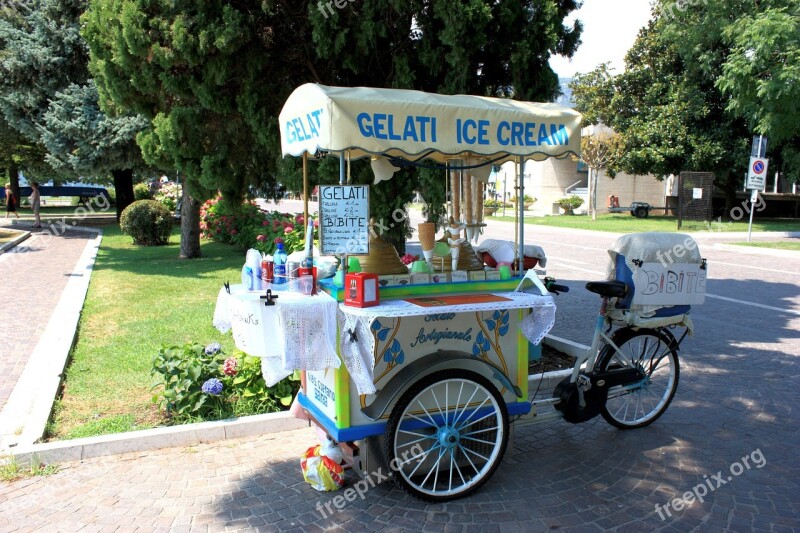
414, 125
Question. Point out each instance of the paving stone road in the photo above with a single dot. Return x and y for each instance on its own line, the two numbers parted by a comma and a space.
732, 429
34, 273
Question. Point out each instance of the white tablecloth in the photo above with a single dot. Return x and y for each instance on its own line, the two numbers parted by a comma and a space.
297, 333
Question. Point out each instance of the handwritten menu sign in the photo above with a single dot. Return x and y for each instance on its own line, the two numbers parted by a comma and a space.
344, 219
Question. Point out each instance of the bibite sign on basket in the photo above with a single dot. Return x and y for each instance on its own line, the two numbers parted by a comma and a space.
665, 276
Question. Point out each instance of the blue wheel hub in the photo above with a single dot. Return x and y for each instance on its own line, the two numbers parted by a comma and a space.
448, 436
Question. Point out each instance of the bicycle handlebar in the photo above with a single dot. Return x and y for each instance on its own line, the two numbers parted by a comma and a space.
551, 285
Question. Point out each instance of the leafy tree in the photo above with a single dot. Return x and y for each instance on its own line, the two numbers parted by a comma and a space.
668, 112
44, 60
211, 77
214, 76
761, 76
599, 151
17, 154
80, 138
498, 48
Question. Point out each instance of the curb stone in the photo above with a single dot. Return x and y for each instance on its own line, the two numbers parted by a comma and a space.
156, 438
12, 243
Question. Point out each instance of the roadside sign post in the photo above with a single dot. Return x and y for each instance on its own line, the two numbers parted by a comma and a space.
756, 175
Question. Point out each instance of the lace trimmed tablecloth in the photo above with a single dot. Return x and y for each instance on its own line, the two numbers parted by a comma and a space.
357, 342
297, 333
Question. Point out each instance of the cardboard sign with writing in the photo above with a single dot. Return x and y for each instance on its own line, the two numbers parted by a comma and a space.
344, 219
674, 284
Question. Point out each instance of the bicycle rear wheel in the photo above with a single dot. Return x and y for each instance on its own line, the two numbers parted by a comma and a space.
654, 354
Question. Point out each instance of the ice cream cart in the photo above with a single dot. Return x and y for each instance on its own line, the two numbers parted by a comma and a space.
425, 383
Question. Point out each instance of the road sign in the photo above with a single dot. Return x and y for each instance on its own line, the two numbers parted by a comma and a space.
757, 174
759, 148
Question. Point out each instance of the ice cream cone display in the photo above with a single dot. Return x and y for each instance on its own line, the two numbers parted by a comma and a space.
382, 258
455, 193
427, 240
468, 204
467, 258
462, 256
471, 232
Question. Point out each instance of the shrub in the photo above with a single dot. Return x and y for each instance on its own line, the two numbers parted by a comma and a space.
247, 226
200, 383
527, 199
148, 222
570, 204
141, 191
492, 203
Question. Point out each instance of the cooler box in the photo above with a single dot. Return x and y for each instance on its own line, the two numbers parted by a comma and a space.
665, 275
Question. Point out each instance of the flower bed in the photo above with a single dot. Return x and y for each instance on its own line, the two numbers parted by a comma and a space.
250, 227
201, 383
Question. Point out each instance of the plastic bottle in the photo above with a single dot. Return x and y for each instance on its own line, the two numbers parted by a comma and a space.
279, 268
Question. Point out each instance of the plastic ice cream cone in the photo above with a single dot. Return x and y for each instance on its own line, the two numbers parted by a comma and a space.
427, 235
428, 254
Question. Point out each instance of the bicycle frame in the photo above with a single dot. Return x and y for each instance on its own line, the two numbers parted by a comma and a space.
590, 356
585, 363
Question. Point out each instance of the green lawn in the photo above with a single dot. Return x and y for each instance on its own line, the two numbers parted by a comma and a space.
139, 298
625, 223
780, 245
8, 235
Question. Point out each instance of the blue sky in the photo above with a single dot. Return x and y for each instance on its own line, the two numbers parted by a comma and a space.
609, 30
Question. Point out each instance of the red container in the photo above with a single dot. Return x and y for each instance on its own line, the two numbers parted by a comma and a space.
304, 271
267, 275
361, 289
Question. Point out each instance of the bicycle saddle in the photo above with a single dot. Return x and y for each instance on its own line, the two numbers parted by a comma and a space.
608, 289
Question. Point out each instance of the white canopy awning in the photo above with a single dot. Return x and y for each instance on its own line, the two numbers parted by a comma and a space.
414, 125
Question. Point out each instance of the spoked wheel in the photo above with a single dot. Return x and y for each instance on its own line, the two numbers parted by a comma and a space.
653, 353
446, 435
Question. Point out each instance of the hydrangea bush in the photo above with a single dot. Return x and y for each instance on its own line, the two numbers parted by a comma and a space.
250, 227
197, 382
168, 194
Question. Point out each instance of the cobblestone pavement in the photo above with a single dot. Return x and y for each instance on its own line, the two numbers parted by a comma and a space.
33, 275
730, 436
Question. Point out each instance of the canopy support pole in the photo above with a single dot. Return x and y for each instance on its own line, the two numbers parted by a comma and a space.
341, 169
521, 206
305, 189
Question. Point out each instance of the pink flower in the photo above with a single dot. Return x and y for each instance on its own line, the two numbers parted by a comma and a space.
407, 259
230, 367
316, 223
288, 229
261, 238
299, 219
277, 240
265, 223
234, 232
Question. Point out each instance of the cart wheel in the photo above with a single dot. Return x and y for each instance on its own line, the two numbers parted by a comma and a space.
446, 435
640, 212
653, 353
